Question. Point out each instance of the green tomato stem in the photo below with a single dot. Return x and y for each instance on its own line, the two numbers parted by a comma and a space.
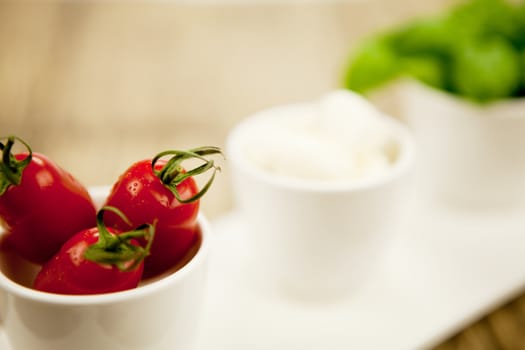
172, 173
11, 169
117, 249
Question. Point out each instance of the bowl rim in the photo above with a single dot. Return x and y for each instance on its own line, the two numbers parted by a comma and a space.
400, 133
498, 109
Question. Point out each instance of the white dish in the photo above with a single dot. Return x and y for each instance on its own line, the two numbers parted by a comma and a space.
446, 269
166, 308
470, 154
314, 223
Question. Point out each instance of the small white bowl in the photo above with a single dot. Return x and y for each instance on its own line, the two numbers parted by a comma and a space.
471, 155
161, 315
317, 240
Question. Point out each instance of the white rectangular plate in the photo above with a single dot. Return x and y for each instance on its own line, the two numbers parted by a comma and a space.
445, 269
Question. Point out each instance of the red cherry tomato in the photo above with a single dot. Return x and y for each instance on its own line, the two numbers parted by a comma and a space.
96, 260
41, 205
162, 191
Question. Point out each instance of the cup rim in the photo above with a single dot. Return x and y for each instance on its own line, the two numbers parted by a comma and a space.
502, 108
399, 131
176, 277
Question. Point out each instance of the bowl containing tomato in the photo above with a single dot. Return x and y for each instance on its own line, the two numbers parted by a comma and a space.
95, 288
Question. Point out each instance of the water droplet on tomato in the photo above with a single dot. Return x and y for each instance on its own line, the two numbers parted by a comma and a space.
76, 253
44, 178
134, 188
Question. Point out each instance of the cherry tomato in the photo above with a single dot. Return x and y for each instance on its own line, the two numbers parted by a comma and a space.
41, 204
156, 189
96, 260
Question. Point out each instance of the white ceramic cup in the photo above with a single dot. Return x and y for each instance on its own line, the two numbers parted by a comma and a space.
472, 156
316, 241
162, 314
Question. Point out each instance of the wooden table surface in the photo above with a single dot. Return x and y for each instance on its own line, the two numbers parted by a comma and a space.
100, 84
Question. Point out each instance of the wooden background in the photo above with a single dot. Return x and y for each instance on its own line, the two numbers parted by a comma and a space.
97, 85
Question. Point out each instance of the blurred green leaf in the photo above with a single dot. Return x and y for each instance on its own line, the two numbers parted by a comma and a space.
373, 64
520, 26
423, 36
473, 49
486, 69
486, 18
521, 91
427, 69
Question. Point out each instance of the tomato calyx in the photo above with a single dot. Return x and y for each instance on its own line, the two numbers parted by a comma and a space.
117, 249
11, 169
173, 174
